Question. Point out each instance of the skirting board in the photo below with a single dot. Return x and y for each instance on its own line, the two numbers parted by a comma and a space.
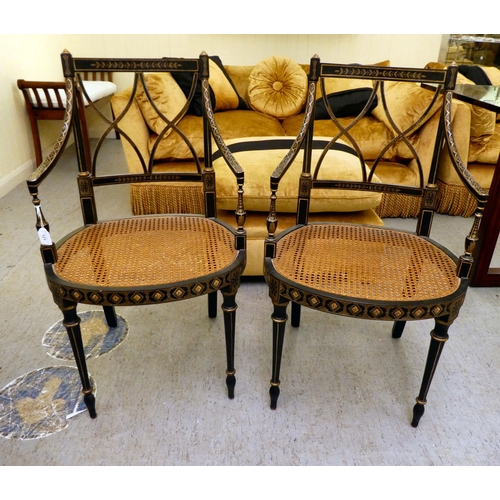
20, 174
12, 180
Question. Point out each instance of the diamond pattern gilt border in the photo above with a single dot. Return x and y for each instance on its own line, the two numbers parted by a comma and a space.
351, 308
152, 296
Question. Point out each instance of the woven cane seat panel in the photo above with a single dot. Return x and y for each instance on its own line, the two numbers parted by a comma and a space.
145, 251
366, 263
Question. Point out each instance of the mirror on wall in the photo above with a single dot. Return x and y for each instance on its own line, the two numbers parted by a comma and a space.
471, 49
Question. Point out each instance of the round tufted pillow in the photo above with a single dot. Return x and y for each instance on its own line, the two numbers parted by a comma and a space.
277, 86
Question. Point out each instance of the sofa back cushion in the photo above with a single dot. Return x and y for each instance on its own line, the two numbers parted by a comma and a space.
231, 124
167, 96
406, 102
223, 92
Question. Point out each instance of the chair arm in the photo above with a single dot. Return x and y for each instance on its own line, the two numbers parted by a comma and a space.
51, 160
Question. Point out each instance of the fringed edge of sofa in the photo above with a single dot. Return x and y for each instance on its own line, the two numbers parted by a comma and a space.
399, 205
455, 200
148, 199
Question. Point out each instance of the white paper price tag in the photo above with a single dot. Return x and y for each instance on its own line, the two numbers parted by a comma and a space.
44, 236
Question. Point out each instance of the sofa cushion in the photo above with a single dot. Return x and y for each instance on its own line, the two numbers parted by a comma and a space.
260, 156
493, 74
369, 133
231, 124
474, 73
483, 121
167, 96
345, 103
406, 103
222, 90
277, 86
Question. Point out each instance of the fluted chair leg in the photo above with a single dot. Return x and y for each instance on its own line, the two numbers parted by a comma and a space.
279, 318
229, 309
72, 324
438, 337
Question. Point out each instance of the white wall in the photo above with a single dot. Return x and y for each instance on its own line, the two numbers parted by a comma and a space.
36, 57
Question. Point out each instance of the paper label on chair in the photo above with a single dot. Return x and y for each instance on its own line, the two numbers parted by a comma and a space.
44, 237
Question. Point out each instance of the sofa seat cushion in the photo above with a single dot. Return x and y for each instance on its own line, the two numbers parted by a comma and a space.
231, 124
277, 86
369, 133
261, 155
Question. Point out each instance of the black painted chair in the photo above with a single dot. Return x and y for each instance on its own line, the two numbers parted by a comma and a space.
361, 271
148, 259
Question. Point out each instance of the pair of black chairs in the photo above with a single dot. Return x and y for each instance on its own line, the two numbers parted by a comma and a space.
352, 270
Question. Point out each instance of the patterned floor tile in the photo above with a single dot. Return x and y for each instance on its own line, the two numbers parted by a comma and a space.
40, 402
98, 337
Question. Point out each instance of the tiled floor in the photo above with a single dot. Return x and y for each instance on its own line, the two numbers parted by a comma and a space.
348, 388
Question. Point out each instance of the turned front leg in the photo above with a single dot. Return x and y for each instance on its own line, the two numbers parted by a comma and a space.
279, 318
229, 309
438, 337
72, 324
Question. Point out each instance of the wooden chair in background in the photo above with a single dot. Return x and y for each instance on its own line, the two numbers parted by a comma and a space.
47, 101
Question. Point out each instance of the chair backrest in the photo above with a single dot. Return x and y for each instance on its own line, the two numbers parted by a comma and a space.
382, 86
89, 168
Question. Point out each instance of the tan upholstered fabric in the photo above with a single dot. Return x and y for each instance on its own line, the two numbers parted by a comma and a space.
239, 76
168, 97
258, 166
277, 86
369, 133
482, 123
225, 96
134, 125
489, 154
406, 103
493, 74
231, 124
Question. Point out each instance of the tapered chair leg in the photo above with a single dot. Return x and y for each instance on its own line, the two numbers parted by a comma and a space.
279, 318
397, 329
229, 309
212, 305
72, 324
438, 337
295, 314
110, 315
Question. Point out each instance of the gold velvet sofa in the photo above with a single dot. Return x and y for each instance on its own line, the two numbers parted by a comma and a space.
260, 103
479, 145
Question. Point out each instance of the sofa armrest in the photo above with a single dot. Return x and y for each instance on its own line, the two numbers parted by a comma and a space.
460, 124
